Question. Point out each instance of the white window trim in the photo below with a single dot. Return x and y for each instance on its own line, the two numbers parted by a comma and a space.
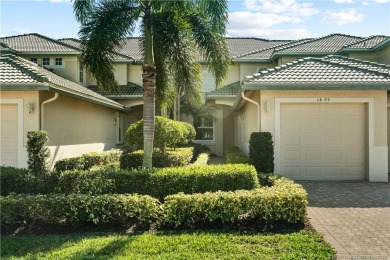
376, 155
62, 62
43, 61
22, 155
207, 142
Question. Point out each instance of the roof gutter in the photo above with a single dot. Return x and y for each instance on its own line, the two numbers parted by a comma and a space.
258, 108
43, 106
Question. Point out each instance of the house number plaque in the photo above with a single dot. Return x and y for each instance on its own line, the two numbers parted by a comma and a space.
323, 99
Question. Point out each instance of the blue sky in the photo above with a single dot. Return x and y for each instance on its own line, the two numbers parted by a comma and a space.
271, 19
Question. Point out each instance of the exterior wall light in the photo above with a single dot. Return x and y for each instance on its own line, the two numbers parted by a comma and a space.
267, 107
30, 108
116, 120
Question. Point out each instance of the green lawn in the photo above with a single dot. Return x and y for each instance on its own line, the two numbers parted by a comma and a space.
168, 245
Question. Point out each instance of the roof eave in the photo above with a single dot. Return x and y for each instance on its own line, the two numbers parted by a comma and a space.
69, 93
41, 53
24, 86
316, 86
124, 96
220, 96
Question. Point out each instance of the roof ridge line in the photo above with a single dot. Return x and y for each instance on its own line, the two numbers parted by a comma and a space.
358, 67
260, 50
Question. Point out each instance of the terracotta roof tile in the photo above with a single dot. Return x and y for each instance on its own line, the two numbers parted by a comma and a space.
129, 90
16, 70
225, 91
36, 43
329, 71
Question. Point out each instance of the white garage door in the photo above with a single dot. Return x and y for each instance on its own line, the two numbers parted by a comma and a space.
323, 141
9, 135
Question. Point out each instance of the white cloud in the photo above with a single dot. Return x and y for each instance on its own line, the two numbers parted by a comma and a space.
341, 17
343, 1
249, 20
281, 7
21, 30
279, 34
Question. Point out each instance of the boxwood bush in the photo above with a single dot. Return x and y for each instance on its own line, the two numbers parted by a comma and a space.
285, 201
88, 160
235, 155
261, 151
77, 209
161, 182
14, 180
172, 157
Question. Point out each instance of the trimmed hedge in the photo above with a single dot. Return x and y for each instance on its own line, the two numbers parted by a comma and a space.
199, 149
202, 159
78, 209
177, 157
261, 151
235, 155
88, 160
161, 182
14, 180
285, 201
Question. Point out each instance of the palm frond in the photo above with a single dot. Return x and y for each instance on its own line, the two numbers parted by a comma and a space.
212, 46
172, 35
104, 30
82, 9
216, 12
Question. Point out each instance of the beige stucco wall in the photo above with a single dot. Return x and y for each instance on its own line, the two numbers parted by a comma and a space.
247, 121
29, 122
384, 55
69, 68
228, 128
134, 74
120, 71
232, 76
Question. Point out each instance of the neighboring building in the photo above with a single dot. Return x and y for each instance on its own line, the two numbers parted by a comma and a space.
328, 114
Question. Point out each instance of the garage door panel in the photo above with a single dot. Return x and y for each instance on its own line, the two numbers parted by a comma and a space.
9, 135
332, 146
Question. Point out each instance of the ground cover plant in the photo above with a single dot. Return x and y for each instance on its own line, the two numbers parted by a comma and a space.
169, 245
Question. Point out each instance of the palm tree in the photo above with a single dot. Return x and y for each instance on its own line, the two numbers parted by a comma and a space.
173, 35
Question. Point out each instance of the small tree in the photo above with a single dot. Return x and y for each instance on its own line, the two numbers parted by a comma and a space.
261, 152
37, 152
168, 133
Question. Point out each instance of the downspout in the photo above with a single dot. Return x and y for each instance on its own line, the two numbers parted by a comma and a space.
42, 106
42, 126
258, 108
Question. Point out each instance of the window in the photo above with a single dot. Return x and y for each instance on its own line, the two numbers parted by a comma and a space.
81, 73
46, 61
58, 61
204, 127
208, 81
35, 60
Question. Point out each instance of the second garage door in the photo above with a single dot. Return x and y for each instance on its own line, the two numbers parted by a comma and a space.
323, 141
9, 135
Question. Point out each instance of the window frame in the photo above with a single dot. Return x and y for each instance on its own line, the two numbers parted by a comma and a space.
212, 127
58, 61
34, 59
44, 60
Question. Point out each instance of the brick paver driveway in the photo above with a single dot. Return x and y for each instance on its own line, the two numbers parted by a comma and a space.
353, 217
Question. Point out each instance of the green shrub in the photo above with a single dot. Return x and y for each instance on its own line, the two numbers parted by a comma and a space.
167, 133
198, 149
88, 160
198, 179
177, 157
261, 151
38, 154
203, 159
234, 155
78, 209
285, 201
14, 180
160, 182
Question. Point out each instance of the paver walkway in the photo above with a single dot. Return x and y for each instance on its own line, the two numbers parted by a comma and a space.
353, 217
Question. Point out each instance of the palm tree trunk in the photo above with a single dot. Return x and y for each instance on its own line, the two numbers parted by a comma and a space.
149, 84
